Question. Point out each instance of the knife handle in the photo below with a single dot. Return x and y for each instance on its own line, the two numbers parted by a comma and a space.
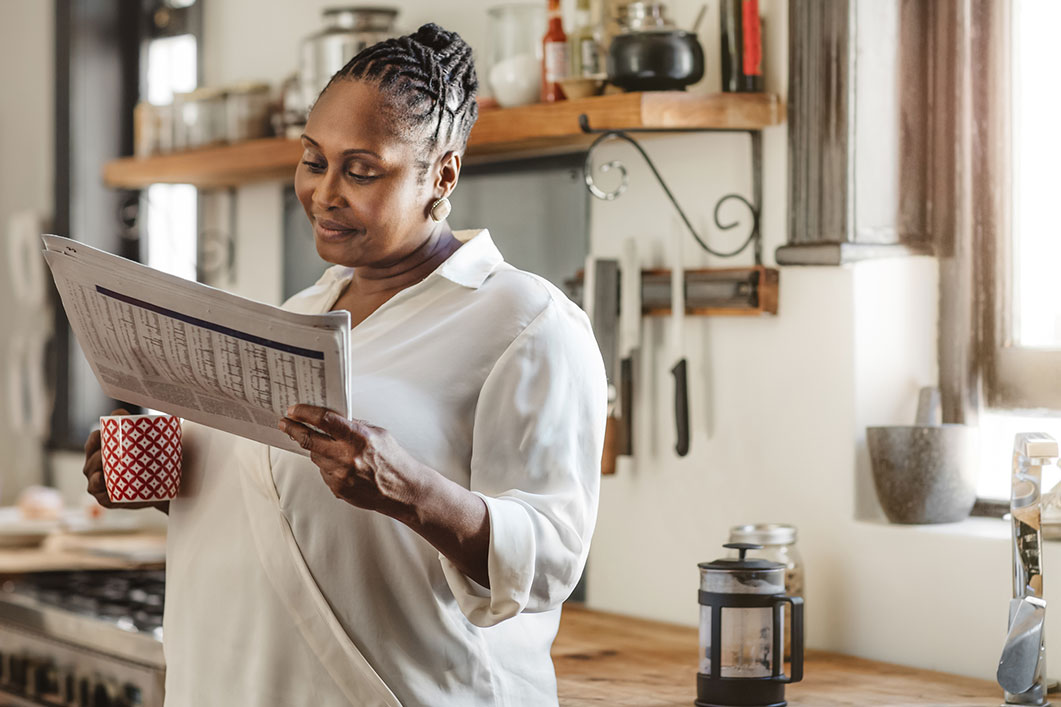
626, 405
681, 408
611, 445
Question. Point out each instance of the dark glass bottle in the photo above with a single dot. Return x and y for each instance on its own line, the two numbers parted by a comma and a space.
742, 46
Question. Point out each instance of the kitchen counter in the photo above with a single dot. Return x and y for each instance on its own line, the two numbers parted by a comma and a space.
607, 659
78, 551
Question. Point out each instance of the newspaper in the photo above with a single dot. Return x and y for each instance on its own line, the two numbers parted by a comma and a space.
190, 350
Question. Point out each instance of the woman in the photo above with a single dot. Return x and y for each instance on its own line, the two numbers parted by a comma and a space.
456, 509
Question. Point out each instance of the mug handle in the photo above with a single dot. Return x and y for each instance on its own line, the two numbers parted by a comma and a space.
797, 636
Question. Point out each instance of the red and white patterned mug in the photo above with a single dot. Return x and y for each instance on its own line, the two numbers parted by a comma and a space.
141, 457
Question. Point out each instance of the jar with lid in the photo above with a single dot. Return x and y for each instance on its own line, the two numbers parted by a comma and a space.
513, 66
198, 118
347, 31
247, 108
779, 545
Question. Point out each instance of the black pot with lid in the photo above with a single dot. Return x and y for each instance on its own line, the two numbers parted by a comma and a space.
651, 54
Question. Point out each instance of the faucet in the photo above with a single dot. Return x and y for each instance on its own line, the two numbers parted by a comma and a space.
1022, 668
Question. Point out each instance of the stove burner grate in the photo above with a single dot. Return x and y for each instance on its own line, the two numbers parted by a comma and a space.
132, 600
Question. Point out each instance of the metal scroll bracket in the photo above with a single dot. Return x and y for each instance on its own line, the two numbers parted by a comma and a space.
754, 238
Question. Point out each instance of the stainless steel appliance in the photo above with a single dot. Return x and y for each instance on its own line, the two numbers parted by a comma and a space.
1022, 667
83, 639
347, 31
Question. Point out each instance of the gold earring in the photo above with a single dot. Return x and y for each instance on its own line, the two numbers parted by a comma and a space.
440, 210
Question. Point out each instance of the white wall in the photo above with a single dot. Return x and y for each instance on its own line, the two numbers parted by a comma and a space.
778, 405
26, 184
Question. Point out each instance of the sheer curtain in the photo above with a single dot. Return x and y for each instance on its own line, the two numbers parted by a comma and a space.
969, 169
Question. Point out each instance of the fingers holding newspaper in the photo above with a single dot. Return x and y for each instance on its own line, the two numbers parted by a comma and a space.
362, 464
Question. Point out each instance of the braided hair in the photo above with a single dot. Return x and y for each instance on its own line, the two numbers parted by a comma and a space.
430, 79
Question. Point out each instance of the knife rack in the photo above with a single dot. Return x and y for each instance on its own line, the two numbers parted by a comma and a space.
742, 292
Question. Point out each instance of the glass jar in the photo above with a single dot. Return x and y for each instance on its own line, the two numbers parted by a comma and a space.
145, 129
198, 118
779, 545
247, 111
643, 17
514, 53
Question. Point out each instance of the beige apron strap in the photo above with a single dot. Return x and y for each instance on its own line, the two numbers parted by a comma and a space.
294, 584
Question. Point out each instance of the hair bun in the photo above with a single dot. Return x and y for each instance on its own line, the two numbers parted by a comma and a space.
435, 38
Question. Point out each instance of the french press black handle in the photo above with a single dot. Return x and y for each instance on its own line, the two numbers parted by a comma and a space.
797, 638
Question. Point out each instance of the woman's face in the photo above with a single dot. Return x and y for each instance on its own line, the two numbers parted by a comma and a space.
359, 182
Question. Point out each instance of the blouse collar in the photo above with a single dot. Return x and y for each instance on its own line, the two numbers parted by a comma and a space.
468, 266
472, 262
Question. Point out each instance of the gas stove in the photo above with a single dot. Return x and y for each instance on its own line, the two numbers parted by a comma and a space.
82, 639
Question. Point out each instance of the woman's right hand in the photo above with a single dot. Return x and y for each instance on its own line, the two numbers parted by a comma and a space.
93, 472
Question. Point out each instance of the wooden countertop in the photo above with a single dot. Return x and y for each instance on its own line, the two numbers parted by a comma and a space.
77, 551
607, 659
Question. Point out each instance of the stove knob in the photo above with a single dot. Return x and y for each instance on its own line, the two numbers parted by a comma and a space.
46, 680
17, 671
29, 682
84, 693
39, 676
134, 696
107, 694
70, 690
101, 696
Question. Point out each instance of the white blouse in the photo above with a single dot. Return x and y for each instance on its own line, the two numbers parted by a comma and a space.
490, 376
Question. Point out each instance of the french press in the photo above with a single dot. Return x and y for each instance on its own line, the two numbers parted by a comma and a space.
742, 633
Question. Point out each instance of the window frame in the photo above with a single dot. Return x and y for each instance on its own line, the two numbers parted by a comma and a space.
1017, 378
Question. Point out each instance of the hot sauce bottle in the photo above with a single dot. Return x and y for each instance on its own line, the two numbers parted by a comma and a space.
554, 55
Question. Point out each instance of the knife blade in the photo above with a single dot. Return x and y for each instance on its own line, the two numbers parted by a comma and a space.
629, 338
600, 295
680, 370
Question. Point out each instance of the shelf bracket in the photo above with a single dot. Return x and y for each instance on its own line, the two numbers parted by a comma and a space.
754, 238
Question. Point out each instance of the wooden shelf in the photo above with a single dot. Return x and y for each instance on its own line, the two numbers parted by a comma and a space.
499, 134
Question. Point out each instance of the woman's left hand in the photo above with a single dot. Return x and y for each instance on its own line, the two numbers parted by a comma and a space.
365, 466
361, 463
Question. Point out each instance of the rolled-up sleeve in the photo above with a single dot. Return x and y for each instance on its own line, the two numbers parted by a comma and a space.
536, 451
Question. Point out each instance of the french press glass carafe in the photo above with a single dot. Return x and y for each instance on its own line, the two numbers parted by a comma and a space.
741, 632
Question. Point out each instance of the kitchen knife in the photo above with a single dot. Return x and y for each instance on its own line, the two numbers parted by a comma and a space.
600, 297
629, 338
681, 389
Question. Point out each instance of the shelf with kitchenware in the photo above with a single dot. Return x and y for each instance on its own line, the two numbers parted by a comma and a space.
499, 134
